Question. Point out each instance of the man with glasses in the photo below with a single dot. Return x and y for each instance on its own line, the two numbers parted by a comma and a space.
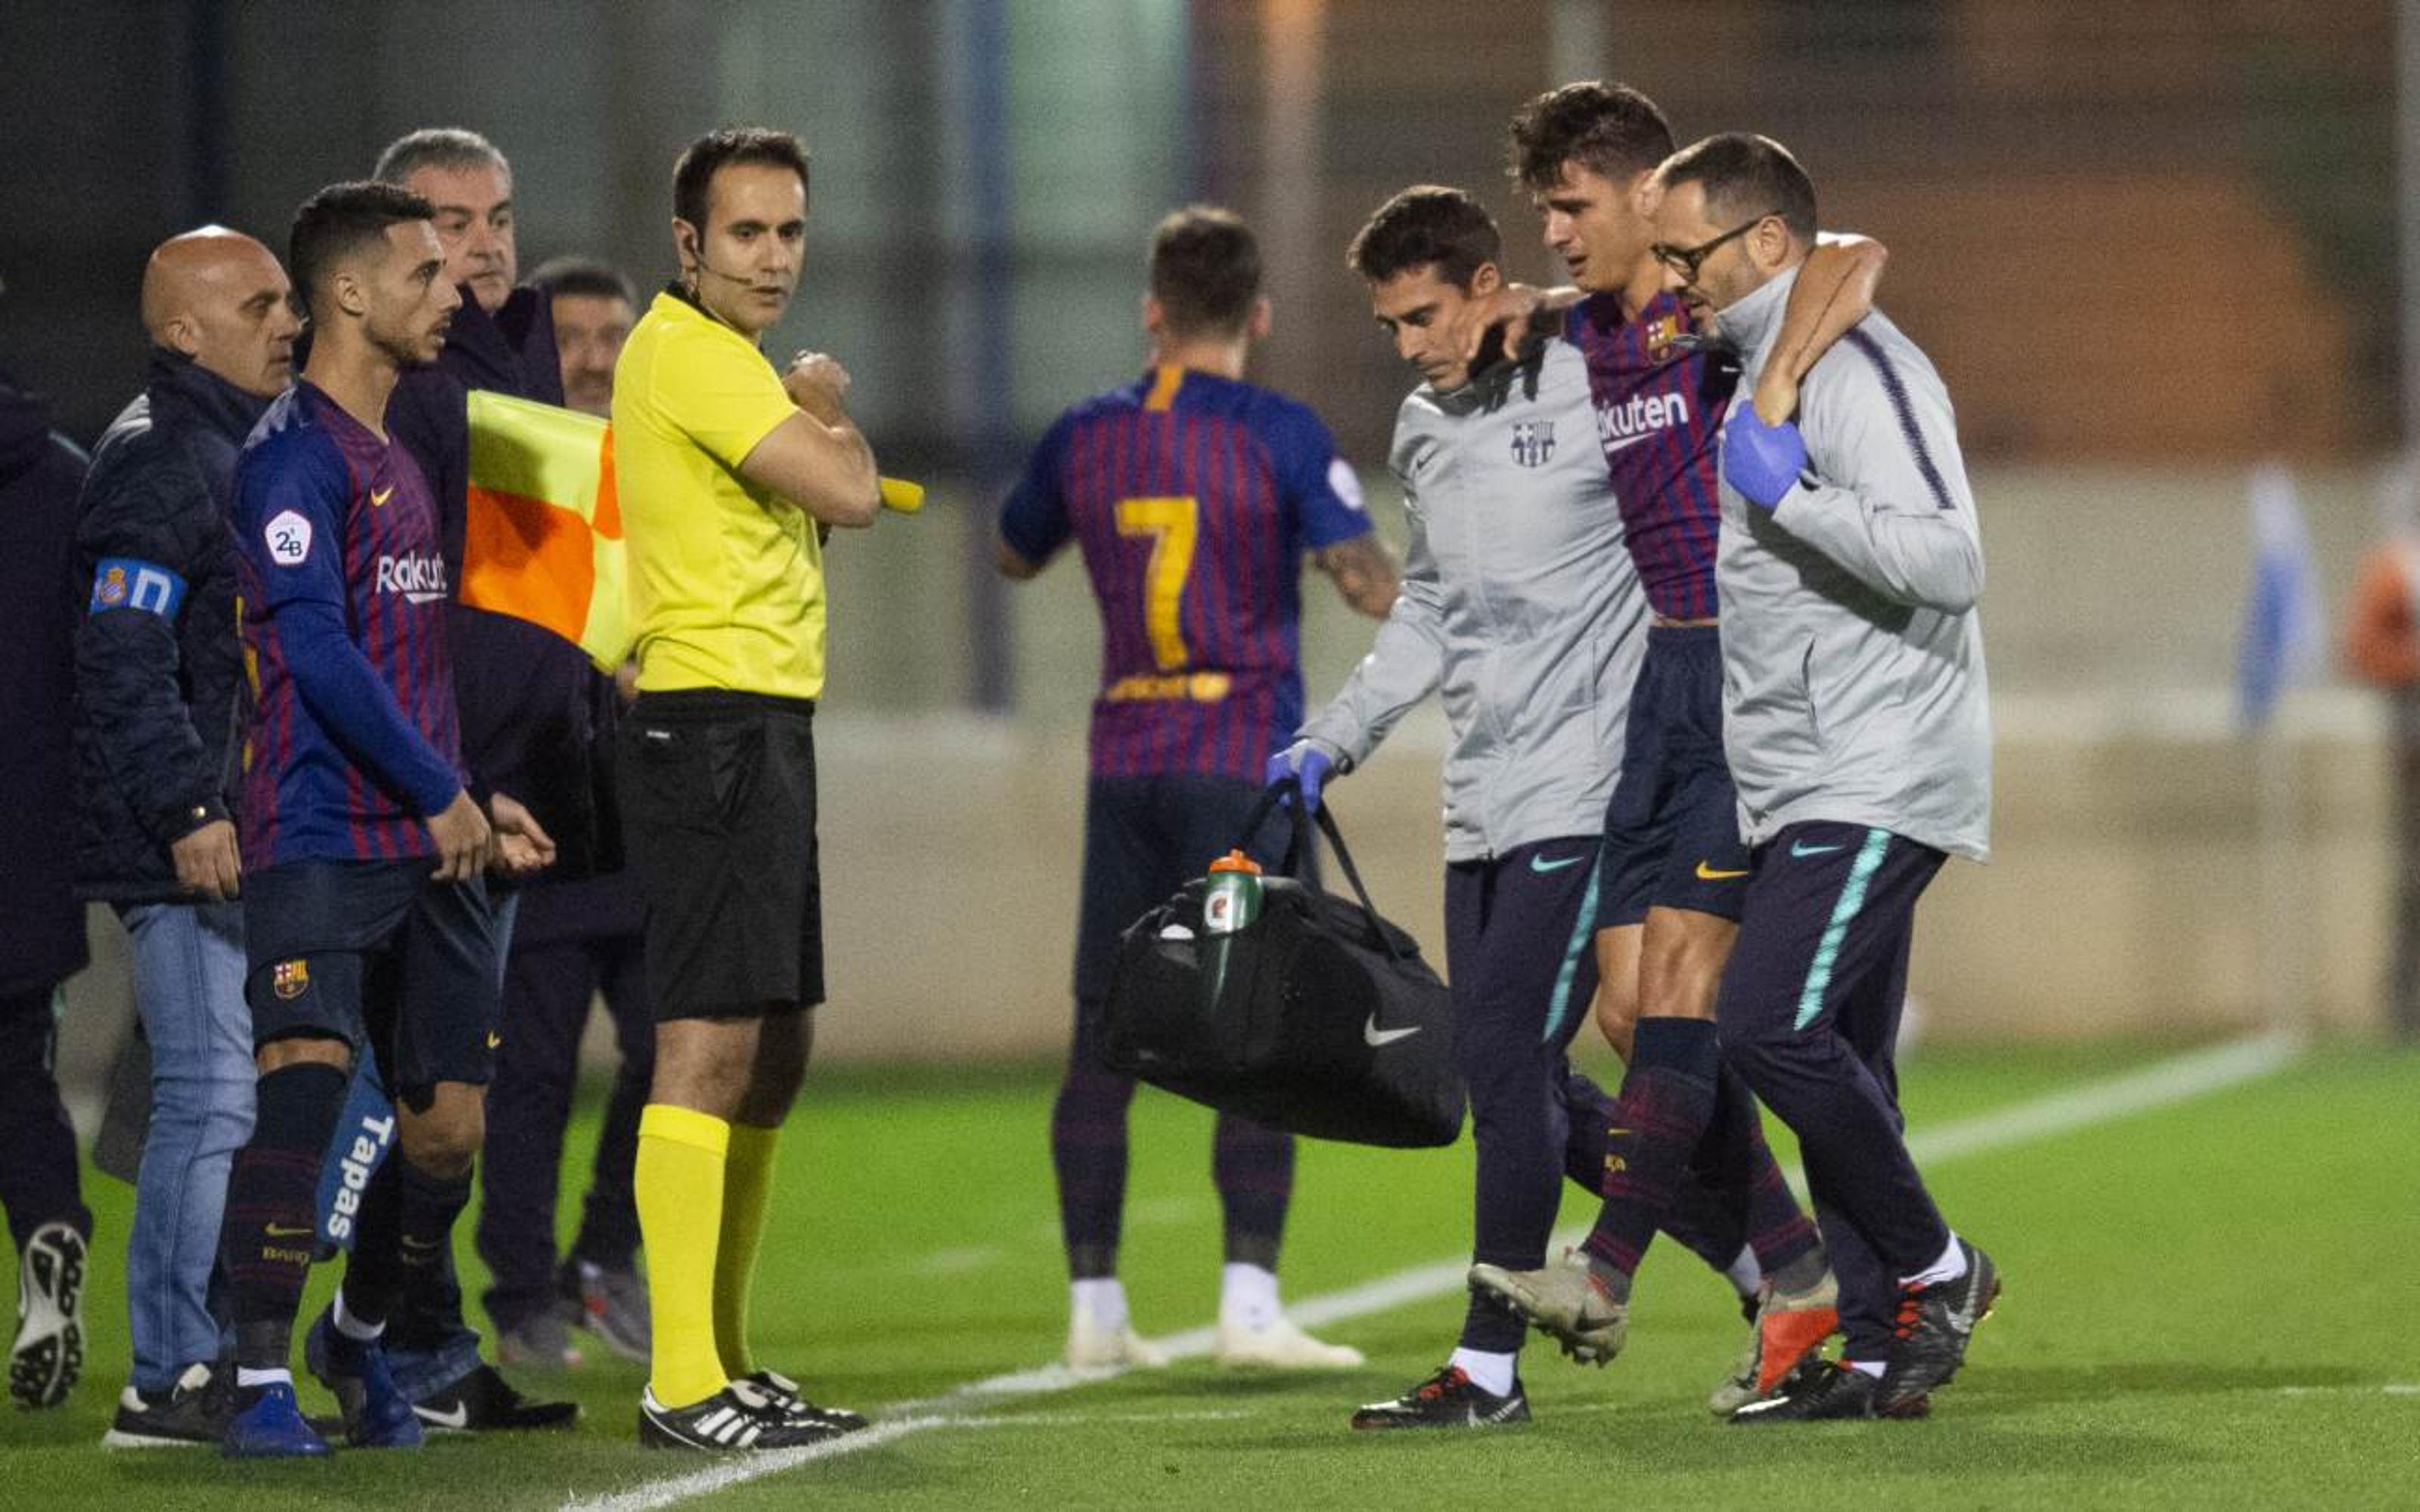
1857, 724
1687, 1152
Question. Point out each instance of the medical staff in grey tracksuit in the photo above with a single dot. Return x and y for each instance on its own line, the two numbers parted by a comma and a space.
1520, 607
1858, 733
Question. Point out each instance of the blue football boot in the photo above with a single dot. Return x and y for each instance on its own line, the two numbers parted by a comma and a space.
268, 1424
376, 1414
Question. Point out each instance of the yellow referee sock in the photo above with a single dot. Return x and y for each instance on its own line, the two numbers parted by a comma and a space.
679, 1183
747, 1192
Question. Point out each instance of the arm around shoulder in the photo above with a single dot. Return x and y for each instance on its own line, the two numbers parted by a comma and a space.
1835, 290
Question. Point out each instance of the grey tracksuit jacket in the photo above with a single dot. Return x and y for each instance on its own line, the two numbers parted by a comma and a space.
1853, 656
1519, 604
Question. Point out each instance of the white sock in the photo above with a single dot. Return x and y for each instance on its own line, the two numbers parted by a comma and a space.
1490, 1372
351, 1326
1865, 1367
247, 1376
1746, 1276
1247, 1296
1102, 1299
1951, 1265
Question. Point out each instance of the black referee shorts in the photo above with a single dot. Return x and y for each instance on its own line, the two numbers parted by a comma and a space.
718, 815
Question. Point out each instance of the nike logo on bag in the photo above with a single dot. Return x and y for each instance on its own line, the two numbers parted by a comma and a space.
1539, 863
285, 1231
1706, 874
379, 496
1374, 1035
458, 1417
1799, 849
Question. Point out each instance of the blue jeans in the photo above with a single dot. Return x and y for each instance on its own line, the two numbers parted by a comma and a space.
188, 964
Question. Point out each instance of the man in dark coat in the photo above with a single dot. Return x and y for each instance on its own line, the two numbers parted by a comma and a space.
41, 924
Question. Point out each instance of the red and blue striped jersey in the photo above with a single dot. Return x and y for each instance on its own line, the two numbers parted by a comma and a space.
1192, 498
353, 737
1659, 411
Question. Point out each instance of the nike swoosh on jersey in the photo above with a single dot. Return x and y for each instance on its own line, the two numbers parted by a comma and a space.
1374, 1035
1539, 863
379, 496
1799, 848
1707, 874
1629, 441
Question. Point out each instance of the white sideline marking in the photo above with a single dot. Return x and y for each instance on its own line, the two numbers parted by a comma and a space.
2175, 1080
958, 1261
2179, 1079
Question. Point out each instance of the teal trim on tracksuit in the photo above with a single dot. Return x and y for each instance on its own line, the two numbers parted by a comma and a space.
1844, 912
1583, 928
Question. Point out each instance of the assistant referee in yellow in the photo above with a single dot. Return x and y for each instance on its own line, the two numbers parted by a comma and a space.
727, 472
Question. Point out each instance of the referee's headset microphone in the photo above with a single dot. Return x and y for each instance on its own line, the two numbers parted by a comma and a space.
695, 250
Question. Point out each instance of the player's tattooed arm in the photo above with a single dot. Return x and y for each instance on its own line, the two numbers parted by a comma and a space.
1835, 290
1523, 309
1363, 571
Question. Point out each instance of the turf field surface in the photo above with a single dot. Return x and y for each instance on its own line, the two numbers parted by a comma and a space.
2206, 1299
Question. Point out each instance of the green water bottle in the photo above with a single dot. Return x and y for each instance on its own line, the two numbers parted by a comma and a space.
1233, 899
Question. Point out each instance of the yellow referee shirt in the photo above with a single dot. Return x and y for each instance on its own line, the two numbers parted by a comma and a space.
727, 577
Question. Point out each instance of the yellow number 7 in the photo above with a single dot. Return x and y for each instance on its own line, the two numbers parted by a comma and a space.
1174, 524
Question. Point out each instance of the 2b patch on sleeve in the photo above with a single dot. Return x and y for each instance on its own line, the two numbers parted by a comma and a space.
288, 539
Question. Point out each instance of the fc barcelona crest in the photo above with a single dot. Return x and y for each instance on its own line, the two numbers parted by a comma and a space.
287, 979
1661, 334
1533, 441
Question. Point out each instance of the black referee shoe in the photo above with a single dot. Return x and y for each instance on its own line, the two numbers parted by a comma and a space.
1448, 1399
735, 1420
784, 1392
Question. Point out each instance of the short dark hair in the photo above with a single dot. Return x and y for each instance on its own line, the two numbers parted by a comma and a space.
584, 277
693, 171
1426, 223
1747, 175
437, 146
1206, 270
1608, 129
337, 223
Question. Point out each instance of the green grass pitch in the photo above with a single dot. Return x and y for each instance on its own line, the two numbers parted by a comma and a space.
2207, 1303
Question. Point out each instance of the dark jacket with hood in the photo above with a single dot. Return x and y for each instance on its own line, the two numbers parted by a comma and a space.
41, 924
160, 693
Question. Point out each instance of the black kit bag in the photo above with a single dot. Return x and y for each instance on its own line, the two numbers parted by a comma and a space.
1318, 1017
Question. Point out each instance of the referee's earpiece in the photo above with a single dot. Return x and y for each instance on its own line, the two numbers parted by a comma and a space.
694, 251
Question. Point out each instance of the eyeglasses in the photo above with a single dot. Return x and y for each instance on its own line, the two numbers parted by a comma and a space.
1686, 261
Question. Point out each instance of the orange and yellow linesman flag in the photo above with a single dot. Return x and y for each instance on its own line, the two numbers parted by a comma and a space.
542, 536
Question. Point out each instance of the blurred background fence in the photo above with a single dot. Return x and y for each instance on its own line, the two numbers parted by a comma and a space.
2148, 245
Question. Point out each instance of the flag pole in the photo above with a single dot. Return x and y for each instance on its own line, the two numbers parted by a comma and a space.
2281, 649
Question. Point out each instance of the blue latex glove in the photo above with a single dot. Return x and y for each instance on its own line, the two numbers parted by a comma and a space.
1306, 762
1761, 461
